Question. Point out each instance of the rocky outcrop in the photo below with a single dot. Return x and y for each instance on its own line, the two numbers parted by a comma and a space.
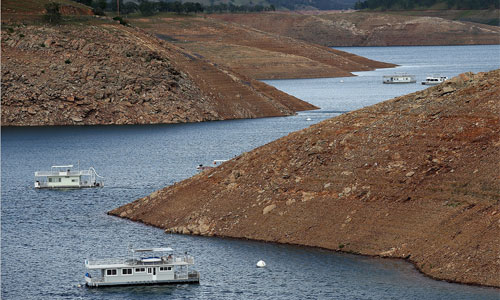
368, 29
415, 177
112, 74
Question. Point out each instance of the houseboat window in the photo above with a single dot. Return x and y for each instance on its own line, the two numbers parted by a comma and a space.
73, 180
163, 269
140, 270
126, 271
111, 272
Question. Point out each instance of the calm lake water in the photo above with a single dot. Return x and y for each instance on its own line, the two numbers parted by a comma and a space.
47, 235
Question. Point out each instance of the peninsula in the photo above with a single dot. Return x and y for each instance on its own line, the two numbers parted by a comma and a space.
415, 177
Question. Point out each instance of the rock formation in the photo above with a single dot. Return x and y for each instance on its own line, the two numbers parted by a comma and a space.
415, 177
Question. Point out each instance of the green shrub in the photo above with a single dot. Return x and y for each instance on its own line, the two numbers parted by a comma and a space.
98, 11
67, 61
121, 20
52, 14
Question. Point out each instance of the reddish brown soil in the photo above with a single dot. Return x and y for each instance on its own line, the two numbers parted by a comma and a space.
414, 177
258, 54
368, 29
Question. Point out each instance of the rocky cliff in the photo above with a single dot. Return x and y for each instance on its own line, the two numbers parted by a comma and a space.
111, 74
368, 29
415, 177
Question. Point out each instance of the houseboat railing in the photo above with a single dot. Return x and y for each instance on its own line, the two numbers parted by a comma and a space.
96, 279
108, 261
194, 274
64, 173
139, 262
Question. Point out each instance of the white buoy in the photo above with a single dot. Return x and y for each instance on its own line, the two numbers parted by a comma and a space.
79, 285
261, 264
341, 81
308, 119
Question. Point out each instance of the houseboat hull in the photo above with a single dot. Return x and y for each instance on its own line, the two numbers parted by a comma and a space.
91, 284
44, 186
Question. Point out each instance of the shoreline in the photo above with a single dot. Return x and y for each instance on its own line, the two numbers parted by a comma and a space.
339, 251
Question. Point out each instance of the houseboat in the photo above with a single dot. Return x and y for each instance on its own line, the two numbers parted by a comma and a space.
65, 177
399, 78
433, 80
144, 267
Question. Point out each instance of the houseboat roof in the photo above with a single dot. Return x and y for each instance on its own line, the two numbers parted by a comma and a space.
65, 166
167, 249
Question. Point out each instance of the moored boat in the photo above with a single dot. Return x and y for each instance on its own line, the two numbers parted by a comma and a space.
145, 267
433, 80
399, 78
64, 177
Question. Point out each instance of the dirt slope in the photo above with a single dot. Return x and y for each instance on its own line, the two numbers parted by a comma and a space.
112, 74
368, 29
258, 54
414, 177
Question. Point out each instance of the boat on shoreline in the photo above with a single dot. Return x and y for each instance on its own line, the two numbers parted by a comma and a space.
399, 78
149, 266
64, 177
216, 163
433, 80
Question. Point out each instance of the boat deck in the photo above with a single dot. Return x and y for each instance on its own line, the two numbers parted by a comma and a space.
192, 277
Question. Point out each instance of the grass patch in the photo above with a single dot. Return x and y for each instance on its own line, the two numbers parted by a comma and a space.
453, 204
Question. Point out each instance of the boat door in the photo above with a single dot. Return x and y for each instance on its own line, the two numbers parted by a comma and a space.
152, 271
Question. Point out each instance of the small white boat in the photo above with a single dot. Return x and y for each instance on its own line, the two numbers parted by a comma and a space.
399, 78
144, 267
433, 80
216, 162
63, 177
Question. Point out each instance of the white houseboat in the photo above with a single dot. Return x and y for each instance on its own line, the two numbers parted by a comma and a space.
399, 78
64, 177
433, 80
146, 266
